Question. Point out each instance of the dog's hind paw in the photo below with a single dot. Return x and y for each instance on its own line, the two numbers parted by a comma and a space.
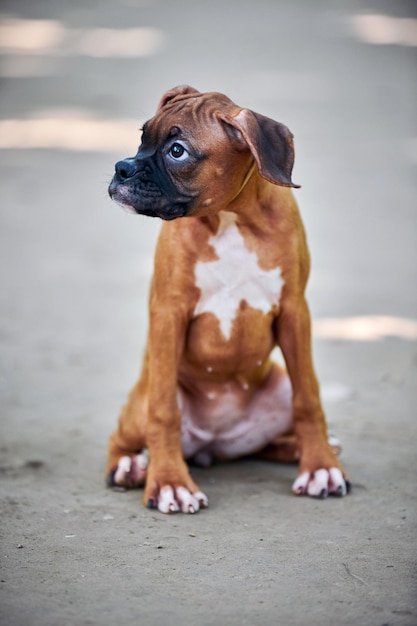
321, 483
130, 471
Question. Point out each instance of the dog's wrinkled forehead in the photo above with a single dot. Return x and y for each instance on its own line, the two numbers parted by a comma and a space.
198, 102
193, 111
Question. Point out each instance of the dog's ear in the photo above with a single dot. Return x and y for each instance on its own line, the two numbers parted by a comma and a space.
270, 142
181, 90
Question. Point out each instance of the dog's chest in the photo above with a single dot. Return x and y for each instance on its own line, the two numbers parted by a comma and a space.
235, 276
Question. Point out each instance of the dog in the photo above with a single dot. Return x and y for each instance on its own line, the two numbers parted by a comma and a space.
231, 267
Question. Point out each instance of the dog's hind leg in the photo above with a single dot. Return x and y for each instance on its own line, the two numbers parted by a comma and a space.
127, 455
284, 449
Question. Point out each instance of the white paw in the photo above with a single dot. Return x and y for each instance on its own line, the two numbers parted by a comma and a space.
172, 500
131, 470
321, 483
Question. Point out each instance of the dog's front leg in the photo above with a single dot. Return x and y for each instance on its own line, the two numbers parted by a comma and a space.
320, 471
169, 486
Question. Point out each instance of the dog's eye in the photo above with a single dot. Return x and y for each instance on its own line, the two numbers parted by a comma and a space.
178, 152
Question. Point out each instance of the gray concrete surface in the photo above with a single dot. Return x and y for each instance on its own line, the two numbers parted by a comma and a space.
74, 279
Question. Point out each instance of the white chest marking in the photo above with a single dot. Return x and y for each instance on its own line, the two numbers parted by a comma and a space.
233, 277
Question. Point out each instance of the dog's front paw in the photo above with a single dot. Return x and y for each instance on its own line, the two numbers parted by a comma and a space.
321, 483
130, 471
170, 488
175, 499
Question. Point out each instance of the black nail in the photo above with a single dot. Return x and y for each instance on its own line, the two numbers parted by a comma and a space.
339, 492
150, 504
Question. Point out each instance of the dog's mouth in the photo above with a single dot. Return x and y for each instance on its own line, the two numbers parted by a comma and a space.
180, 209
146, 198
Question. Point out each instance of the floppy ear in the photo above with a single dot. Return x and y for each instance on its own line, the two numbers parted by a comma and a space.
270, 142
181, 90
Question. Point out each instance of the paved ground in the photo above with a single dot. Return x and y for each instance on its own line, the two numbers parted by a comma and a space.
75, 272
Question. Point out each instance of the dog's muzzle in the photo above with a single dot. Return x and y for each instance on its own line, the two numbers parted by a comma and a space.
136, 177
137, 186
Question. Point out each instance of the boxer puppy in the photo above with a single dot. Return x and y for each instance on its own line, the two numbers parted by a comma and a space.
231, 267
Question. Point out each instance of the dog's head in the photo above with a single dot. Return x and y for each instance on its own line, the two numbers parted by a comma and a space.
196, 155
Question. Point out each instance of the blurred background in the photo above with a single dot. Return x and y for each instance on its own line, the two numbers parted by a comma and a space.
77, 81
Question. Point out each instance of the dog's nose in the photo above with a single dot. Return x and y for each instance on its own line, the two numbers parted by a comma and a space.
126, 169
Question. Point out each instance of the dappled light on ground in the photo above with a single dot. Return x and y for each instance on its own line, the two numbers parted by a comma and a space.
52, 37
70, 130
385, 29
365, 328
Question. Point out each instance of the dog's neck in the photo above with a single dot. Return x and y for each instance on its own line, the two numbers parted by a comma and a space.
246, 179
